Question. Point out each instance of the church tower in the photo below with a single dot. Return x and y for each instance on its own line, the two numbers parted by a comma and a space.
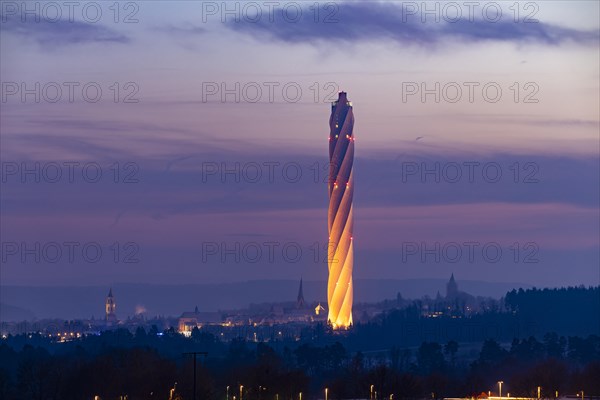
300, 299
110, 308
451, 289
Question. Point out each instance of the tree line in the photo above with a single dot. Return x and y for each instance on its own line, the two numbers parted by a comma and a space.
142, 366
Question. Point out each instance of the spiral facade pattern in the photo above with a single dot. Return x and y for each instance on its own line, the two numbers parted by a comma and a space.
340, 221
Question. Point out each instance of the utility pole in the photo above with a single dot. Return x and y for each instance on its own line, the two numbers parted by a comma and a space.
195, 354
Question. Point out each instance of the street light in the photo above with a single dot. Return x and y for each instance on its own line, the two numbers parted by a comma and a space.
300, 396
539, 390
372, 386
326, 390
241, 391
227, 393
392, 396
500, 388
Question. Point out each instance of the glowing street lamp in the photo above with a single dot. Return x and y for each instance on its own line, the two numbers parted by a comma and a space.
500, 388
241, 391
227, 393
326, 390
372, 386
539, 390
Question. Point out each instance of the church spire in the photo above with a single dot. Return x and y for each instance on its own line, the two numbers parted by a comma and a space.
451, 288
300, 299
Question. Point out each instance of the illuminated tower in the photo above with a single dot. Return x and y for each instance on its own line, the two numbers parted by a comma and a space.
110, 308
339, 218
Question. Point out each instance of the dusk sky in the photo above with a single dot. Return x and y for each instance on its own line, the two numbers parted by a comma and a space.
174, 139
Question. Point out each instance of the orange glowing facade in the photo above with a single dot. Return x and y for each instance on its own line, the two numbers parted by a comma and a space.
339, 217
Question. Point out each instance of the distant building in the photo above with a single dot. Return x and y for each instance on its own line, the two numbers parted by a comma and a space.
457, 302
195, 319
451, 289
111, 306
188, 321
300, 299
319, 309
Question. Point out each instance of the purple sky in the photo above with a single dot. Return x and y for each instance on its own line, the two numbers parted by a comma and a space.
175, 201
